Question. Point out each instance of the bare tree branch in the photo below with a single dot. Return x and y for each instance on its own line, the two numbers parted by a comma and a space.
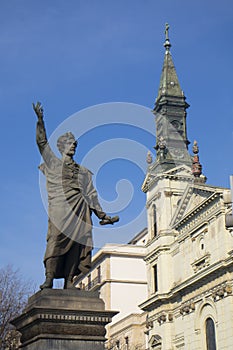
14, 293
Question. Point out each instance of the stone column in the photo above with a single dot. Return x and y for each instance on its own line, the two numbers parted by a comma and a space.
58, 319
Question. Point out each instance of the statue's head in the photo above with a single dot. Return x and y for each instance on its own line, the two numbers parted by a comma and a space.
67, 144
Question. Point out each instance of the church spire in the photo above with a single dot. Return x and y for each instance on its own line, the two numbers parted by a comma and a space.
169, 83
170, 112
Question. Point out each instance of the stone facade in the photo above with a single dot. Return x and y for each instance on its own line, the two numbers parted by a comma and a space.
119, 274
192, 254
128, 333
190, 250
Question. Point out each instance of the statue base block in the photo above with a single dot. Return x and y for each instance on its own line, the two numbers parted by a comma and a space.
58, 319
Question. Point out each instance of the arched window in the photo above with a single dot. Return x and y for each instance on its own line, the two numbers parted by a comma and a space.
155, 273
210, 334
154, 221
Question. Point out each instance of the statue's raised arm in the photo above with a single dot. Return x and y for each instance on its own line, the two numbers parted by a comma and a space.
41, 137
38, 110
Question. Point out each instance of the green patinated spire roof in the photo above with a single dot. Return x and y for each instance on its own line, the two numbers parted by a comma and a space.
169, 83
170, 118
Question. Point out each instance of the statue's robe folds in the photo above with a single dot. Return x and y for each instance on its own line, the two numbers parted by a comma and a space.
71, 200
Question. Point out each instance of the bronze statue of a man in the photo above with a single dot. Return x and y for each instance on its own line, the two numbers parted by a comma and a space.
71, 200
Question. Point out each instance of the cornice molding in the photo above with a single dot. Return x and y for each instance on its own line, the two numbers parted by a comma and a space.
213, 295
209, 272
152, 179
155, 253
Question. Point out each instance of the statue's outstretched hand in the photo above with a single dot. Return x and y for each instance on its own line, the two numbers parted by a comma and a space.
108, 220
38, 110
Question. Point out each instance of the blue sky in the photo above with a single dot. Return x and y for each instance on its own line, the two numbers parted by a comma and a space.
72, 55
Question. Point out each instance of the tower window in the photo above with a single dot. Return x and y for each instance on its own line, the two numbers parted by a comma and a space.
154, 221
155, 273
89, 281
202, 244
210, 334
127, 343
99, 274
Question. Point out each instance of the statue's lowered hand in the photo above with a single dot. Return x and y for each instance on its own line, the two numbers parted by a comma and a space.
38, 110
108, 220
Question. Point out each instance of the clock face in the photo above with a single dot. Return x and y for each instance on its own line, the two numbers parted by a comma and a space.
177, 153
176, 124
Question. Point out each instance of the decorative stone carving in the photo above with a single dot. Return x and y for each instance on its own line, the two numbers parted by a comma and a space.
149, 158
165, 317
187, 308
196, 166
221, 292
168, 193
170, 317
201, 263
228, 289
162, 318
149, 323
161, 148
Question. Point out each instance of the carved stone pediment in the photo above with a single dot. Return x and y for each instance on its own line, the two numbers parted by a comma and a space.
149, 179
194, 196
182, 170
179, 173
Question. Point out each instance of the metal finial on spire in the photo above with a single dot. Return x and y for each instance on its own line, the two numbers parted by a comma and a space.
166, 30
167, 43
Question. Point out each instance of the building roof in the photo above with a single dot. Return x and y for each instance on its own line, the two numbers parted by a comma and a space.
139, 236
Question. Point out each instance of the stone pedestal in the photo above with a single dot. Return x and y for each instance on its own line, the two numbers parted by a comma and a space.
57, 319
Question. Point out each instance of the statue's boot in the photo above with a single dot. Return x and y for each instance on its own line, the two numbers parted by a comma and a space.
48, 283
69, 284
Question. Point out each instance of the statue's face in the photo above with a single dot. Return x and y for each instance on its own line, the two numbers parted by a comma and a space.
70, 147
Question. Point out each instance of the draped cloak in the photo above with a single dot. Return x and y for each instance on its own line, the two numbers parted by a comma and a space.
71, 200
